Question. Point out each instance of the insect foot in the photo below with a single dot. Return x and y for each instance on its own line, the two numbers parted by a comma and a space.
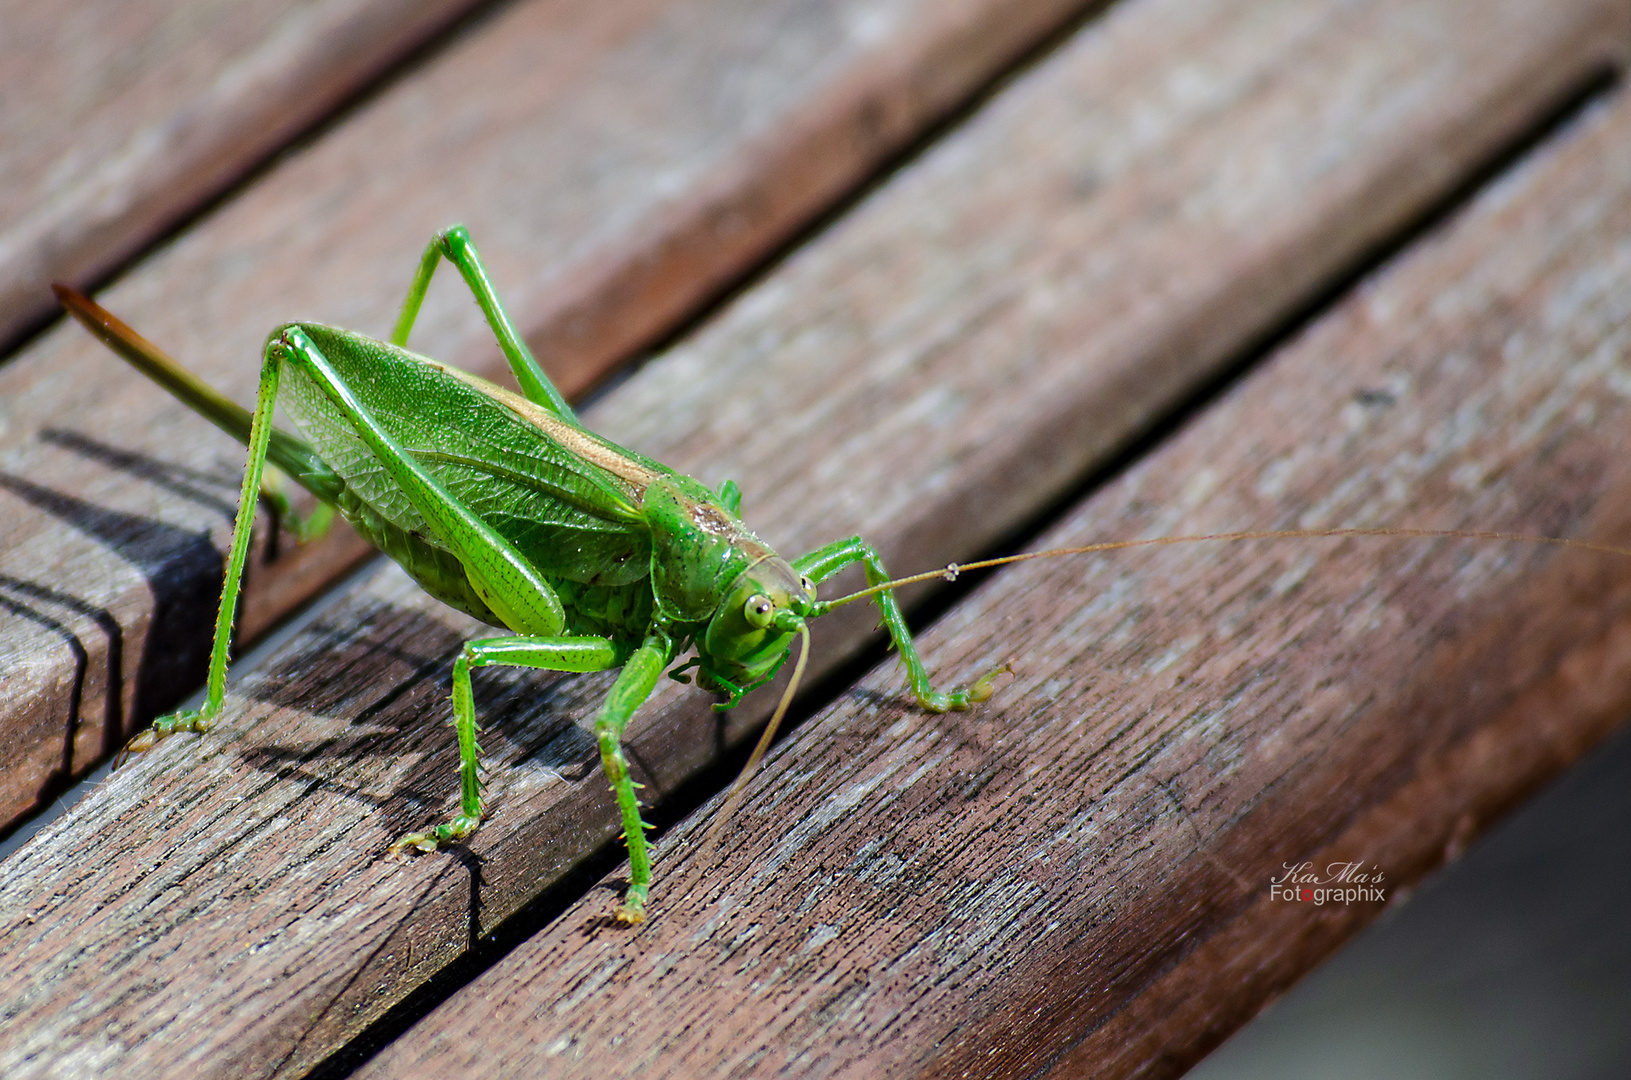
632, 911
961, 699
987, 684
164, 727
427, 841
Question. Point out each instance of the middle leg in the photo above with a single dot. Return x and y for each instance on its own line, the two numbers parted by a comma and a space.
552, 654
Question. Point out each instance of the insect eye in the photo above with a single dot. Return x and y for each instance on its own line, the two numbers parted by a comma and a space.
759, 611
807, 585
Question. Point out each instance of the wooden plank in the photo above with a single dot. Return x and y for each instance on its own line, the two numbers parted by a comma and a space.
253, 922
1075, 881
119, 119
619, 164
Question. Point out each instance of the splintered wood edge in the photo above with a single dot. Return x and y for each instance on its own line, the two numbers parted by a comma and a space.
1077, 881
602, 304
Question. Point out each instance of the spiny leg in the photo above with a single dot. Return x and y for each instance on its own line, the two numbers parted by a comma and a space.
454, 245
553, 654
640, 674
824, 562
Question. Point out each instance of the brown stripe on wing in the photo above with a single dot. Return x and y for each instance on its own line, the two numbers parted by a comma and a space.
570, 436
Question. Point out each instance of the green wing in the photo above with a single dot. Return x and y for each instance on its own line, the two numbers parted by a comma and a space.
572, 518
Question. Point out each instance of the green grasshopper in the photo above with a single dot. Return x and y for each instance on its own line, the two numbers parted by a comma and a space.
506, 507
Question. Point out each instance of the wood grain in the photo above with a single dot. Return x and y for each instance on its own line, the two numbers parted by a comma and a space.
997, 298
618, 164
118, 119
1074, 881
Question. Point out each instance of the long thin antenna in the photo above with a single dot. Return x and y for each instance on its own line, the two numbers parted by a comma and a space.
734, 799
951, 571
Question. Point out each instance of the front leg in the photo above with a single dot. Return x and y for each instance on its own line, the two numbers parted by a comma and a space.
824, 562
553, 654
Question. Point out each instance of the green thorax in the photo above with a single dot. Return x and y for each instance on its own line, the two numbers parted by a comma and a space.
721, 586
698, 548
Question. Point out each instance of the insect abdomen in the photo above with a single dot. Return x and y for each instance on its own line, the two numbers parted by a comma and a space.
436, 571
620, 612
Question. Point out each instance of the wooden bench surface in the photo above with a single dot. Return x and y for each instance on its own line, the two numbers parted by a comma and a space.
619, 163
1074, 881
1073, 875
120, 119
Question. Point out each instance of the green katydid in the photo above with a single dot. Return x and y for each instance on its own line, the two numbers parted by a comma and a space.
504, 506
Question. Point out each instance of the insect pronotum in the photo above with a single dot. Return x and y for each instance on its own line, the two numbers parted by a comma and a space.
588, 555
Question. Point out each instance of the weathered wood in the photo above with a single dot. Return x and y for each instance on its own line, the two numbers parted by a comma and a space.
119, 118
1074, 881
895, 378
619, 164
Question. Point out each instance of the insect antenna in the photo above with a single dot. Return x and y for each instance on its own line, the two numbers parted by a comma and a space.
734, 799
951, 571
